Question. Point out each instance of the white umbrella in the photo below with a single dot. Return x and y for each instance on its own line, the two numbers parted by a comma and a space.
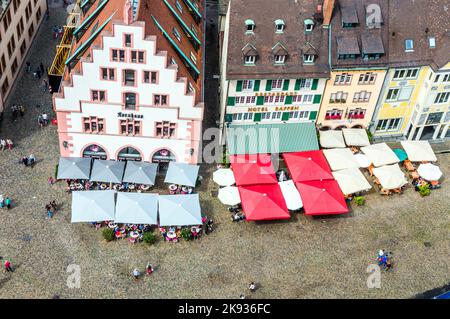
340, 158
390, 176
93, 206
351, 181
356, 137
224, 177
179, 210
291, 195
363, 160
380, 154
136, 208
331, 139
419, 151
229, 196
429, 172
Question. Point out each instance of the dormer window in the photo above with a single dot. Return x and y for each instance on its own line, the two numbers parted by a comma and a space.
308, 58
280, 53
309, 26
249, 26
250, 59
279, 26
249, 52
409, 45
279, 59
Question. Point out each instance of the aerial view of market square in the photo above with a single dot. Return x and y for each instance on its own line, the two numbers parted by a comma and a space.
224, 149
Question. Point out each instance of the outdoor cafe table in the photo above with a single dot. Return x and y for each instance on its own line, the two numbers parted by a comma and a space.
134, 234
171, 235
112, 225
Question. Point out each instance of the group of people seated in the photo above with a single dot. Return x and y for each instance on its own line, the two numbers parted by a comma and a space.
28, 160
175, 233
79, 185
418, 181
236, 214
180, 189
384, 259
133, 232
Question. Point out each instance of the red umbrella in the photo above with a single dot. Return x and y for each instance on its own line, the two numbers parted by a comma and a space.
253, 169
263, 202
322, 197
307, 166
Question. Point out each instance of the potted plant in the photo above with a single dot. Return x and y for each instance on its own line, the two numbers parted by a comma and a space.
149, 238
108, 234
424, 190
359, 200
186, 234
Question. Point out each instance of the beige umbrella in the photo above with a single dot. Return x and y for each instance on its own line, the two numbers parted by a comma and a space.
229, 196
419, 151
224, 177
356, 137
340, 158
390, 176
380, 154
351, 181
331, 139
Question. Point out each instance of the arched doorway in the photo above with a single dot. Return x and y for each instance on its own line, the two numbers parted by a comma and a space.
129, 154
357, 126
339, 128
162, 158
95, 151
325, 128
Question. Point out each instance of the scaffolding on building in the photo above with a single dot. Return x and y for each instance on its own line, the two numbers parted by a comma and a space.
56, 71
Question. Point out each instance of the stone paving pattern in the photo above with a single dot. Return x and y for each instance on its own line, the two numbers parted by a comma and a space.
301, 258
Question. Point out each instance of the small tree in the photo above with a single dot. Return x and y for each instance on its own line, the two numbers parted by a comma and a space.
359, 200
149, 238
108, 234
186, 234
424, 190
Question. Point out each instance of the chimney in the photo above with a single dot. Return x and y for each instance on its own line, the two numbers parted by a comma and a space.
128, 12
328, 6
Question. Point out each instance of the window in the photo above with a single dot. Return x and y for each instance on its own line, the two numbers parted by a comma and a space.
240, 100
237, 117
279, 26
160, 99
31, 30
99, 96
296, 98
279, 59
14, 66
23, 48
5, 86
277, 84
308, 58
442, 98
108, 74
392, 94
179, 7
305, 83
432, 42
247, 85
367, 78
249, 26
308, 98
165, 129
20, 28
127, 40
11, 46
388, 125
6, 19
247, 117
137, 56
130, 127
276, 115
130, 101
177, 34
16, 4
309, 25
250, 59
193, 58
150, 77
362, 96
190, 87
409, 45
93, 124
405, 74
356, 114
446, 78
333, 114
129, 78
338, 97
343, 79
250, 100
118, 55
38, 14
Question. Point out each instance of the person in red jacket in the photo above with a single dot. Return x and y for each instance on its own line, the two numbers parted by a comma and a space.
8, 265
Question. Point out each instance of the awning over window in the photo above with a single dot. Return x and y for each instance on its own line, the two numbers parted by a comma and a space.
271, 138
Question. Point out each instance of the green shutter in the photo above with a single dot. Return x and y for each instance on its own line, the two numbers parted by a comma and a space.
285, 116
257, 117
315, 84
228, 118
313, 115
231, 101
260, 100
317, 99
256, 86
239, 86
288, 100
269, 85
297, 85
286, 85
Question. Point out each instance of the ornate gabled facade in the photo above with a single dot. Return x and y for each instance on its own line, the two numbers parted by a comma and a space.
132, 89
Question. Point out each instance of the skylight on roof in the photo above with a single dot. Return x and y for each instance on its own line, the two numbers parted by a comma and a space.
409, 44
432, 42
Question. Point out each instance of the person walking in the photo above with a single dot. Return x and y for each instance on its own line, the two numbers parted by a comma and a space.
22, 110
53, 205
28, 67
8, 265
42, 68
44, 86
252, 287
149, 268
136, 273
8, 202
2, 144
40, 121
50, 181
38, 73
48, 208
9, 144
45, 118
2, 201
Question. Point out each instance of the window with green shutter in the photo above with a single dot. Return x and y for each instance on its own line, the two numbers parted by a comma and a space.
228, 118
269, 85
239, 86
256, 86
297, 85
288, 100
231, 101
312, 115
317, 99
285, 116
286, 85
315, 84
260, 100
257, 117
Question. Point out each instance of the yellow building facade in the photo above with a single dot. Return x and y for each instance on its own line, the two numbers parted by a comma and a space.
350, 98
